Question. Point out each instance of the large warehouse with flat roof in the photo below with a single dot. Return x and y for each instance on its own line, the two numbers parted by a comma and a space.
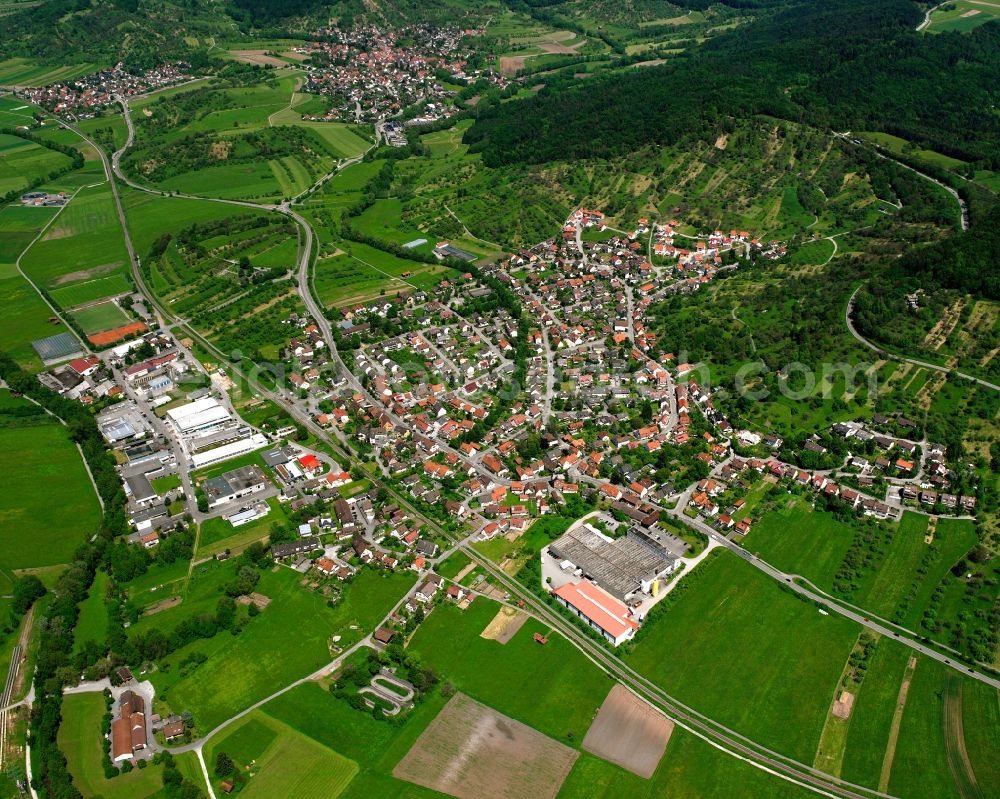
199, 416
623, 567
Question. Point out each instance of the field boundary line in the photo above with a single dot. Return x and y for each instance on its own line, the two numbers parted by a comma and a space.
897, 721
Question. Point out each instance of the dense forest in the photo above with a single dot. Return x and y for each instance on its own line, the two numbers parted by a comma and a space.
841, 63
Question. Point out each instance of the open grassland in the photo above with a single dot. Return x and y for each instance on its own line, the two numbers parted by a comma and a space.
963, 15
781, 657
920, 768
26, 316
798, 540
364, 273
22, 162
217, 534
31, 73
81, 741
84, 242
900, 146
35, 531
375, 746
90, 290
289, 640
895, 590
284, 762
93, 622
383, 219
871, 715
561, 705
690, 769
14, 112
981, 714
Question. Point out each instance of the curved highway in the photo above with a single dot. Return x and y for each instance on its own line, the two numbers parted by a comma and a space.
893, 356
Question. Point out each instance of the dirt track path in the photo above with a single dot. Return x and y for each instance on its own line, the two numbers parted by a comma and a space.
897, 720
954, 741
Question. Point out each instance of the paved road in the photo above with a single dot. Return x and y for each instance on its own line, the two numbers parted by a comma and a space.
790, 581
886, 354
962, 207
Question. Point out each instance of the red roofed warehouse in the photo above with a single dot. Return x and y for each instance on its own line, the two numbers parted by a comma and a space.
601, 610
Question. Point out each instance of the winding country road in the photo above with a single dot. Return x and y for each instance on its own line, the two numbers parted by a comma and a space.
962, 206
893, 356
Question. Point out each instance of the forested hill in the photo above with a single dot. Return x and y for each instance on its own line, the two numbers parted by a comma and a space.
837, 63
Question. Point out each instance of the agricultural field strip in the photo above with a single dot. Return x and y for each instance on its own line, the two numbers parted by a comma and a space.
41, 233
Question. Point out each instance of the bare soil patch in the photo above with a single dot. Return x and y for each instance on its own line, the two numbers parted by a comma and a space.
472, 752
257, 57
259, 600
842, 707
722, 141
296, 56
512, 64
629, 732
220, 150
163, 604
82, 274
560, 49
504, 625
970, 13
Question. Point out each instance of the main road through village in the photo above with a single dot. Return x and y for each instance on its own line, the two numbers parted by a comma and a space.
710, 731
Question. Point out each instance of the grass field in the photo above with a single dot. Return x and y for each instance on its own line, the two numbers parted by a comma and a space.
366, 273
889, 590
101, 317
901, 146
781, 658
800, 541
921, 749
217, 534
34, 530
871, 716
27, 72
963, 16
285, 762
80, 740
563, 703
93, 622
287, 641
375, 746
690, 769
91, 290
22, 162
26, 316
981, 710
85, 242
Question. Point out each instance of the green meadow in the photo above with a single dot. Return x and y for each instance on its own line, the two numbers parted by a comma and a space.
84, 242
780, 657
40, 462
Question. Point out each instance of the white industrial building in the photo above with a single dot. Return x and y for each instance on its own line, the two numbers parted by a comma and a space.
199, 417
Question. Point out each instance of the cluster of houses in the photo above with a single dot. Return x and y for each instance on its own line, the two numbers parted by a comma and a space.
44, 199
370, 74
87, 95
